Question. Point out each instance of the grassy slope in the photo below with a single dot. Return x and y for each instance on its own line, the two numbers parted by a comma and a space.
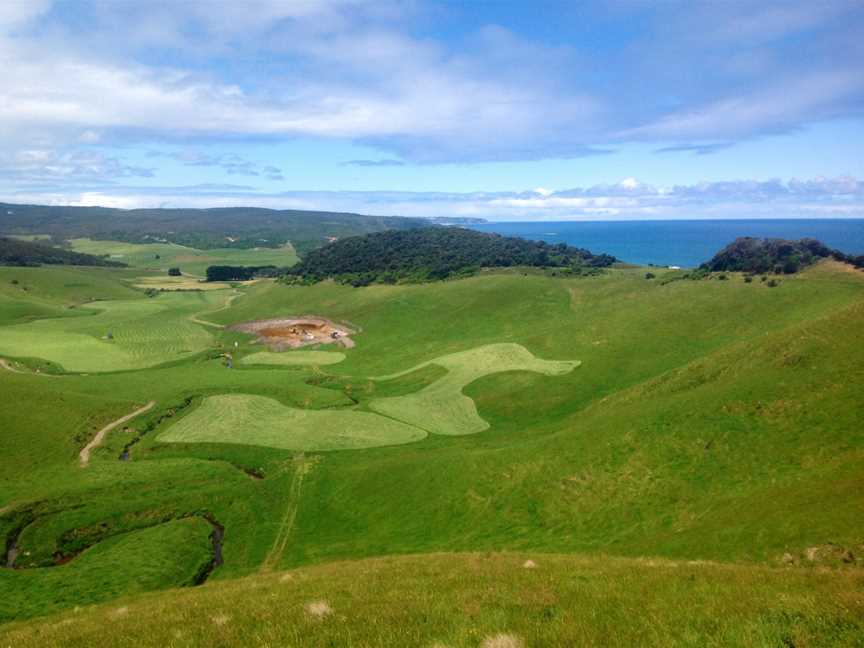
145, 332
514, 485
708, 420
124, 565
189, 260
256, 420
460, 600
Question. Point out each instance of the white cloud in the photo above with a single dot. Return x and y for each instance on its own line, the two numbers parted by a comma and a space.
362, 70
17, 13
838, 197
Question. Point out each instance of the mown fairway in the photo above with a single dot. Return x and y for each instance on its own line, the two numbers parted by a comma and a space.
708, 420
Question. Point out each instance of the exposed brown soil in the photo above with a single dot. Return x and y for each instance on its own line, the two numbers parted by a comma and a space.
295, 332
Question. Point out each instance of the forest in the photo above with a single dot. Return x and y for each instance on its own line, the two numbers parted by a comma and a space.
14, 252
203, 229
436, 253
779, 256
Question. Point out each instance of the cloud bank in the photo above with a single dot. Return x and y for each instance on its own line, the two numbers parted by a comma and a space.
841, 197
375, 72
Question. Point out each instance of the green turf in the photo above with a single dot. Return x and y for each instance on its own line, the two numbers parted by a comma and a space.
256, 420
293, 358
144, 332
166, 555
441, 407
709, 420
464, 601
189, 260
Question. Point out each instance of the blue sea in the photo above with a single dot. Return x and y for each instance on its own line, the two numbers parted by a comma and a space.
681, 243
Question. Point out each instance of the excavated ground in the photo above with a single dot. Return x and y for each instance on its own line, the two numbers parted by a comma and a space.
295, 332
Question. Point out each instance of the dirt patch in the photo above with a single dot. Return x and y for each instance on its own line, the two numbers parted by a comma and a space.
318, 609
295, 332
502, 641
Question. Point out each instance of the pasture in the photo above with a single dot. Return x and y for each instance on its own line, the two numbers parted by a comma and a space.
115, 335
261, 421
293, 358
486, 600
162, 256
184, 282
707, 421
441, 407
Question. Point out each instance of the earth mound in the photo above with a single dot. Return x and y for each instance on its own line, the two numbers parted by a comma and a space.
295, 332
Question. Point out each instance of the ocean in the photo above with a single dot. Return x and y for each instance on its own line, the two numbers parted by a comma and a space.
681, 243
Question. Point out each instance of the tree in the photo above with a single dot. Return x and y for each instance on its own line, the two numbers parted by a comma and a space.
174, 272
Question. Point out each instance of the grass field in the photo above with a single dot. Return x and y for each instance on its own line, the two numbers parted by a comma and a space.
293, 358
178, 283
490, 600
708, 421
256, 420
441, 407
162, 256
115, 335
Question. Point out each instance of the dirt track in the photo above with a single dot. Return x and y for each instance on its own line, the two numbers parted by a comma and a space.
5, 364
84, 455
226, 305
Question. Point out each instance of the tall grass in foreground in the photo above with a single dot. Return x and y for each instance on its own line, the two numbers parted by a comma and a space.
461, 600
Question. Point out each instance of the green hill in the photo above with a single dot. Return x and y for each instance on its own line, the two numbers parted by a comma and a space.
485, 600
753, 255
435, 253
681, 461
203, 229
14, 252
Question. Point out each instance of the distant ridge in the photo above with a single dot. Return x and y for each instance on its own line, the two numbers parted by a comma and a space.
222, 227
25, 253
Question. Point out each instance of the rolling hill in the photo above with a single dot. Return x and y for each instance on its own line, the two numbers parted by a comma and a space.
753, 255
228, 227
14, 252
565, 457
430, 254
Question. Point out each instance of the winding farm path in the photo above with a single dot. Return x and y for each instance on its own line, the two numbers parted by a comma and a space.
84, 455
8, 366
226, 305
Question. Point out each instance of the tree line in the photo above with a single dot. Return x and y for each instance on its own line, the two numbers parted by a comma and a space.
433, 254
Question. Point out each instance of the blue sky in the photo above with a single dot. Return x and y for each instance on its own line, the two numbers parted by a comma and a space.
493, 108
